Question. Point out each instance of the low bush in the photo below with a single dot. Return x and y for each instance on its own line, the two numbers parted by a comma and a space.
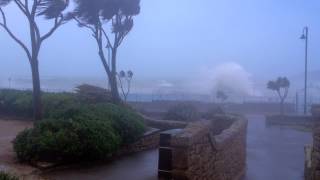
7, 176
15, 102
182, 112
128, 124
72, 129
54, 103
92, 94
79, 133
67, 141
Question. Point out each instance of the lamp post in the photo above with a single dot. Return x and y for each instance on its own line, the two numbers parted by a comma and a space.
305, 37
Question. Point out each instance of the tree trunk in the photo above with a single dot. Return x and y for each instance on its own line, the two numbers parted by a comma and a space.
113, 79
282, 107
114, 89
37, 106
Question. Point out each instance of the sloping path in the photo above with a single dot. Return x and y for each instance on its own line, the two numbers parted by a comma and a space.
274, 153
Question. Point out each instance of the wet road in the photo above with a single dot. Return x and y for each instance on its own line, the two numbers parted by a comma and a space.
274, 153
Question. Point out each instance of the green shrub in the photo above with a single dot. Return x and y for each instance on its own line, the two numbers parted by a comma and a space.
7, 176
53, 103
79, 133
16, 102
67, 141
92, 94
128, 124
182, 112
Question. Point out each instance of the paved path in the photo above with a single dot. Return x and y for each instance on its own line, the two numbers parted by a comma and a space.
140, 166
8, 131
274, 153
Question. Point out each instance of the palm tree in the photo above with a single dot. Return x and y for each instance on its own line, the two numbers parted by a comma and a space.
51, 10
97, 16
281, 86
125, 79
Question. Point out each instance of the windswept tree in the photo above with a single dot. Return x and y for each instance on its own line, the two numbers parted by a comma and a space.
31, 9
281, 86
109, 21
125, 83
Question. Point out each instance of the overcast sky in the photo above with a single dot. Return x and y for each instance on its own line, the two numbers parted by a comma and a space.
179, 38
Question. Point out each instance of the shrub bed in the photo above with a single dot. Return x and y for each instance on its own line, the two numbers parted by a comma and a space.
72, 129
67, 141
79, 133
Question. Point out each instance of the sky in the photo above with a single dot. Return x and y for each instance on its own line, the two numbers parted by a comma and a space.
178, 39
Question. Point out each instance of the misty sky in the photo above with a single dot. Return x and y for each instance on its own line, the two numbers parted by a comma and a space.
180, 38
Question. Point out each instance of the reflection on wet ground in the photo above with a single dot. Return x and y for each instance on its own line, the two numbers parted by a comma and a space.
140, 166
273, 153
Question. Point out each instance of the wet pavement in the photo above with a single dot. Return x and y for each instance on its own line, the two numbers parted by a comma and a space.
140, 166
8, 130
274, 153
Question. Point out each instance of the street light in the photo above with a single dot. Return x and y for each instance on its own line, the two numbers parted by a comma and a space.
305, 37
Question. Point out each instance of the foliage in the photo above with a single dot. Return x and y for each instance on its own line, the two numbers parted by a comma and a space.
281, 86
125, 82
57, 102
75, 131
97, 16
277, 85
16, 102
67, 141
182, 112
92, 94
72, 129
7, 176
19, 103
127, 124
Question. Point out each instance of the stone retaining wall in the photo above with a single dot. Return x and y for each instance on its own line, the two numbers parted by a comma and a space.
150, 140
163, 124
312, 165
199, 154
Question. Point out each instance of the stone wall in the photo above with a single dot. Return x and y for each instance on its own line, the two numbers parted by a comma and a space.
312, 165
163, 124
199, 154
150, 140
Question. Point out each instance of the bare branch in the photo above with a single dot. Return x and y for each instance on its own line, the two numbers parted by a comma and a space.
34, 8
26, 3
17, 40
107, 37
122, 37
4, 19
57, 23
22, 7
